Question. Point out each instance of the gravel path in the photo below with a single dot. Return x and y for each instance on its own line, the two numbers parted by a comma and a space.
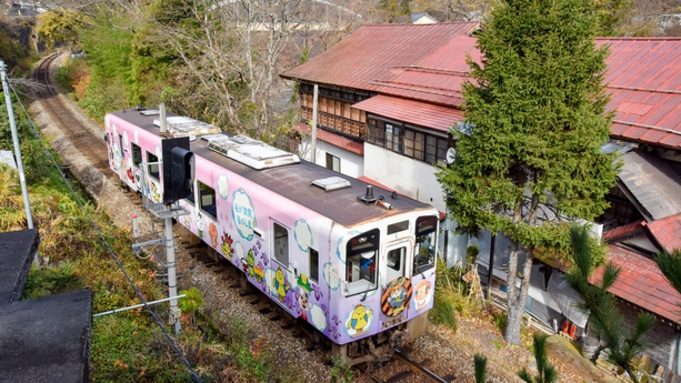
447, 352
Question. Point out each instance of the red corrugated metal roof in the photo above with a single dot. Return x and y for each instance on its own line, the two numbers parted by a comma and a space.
667, 231
641, 282
438, 77
418, 113
372, 51
644, 78
428, 63
332, 138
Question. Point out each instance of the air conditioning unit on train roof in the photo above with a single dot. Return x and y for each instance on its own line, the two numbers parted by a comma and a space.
181, 126
250, 152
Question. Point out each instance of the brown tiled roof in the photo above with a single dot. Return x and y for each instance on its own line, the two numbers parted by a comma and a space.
641, 282
419, 113
667, 232
372, 51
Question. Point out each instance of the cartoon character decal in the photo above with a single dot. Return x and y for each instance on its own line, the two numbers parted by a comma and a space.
226, 247
281, 287
304, 295
199, 223
129, 174
154, 192
423, 294
359, 320
213, 234
396, 296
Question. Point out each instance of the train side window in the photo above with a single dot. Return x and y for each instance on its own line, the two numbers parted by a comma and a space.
207, 199
136, 155
424, 251
153, 168
362, 263
314, 265
281, 244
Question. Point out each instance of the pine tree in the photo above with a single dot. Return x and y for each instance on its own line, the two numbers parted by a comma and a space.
670, 265
535, 122
547, 373
623, 342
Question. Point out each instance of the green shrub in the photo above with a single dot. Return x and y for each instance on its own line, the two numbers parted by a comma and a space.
443, 310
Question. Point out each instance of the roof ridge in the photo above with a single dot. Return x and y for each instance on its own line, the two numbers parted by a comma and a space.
661, 38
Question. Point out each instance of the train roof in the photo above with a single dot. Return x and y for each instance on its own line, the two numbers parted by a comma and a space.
295, 181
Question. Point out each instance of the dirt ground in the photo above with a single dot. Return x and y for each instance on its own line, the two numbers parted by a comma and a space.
478, 334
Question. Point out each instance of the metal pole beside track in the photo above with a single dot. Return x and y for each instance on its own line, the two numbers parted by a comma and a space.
17, 149
172, 276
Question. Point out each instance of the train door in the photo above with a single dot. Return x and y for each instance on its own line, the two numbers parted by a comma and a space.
396, 292
280, 285
132, 175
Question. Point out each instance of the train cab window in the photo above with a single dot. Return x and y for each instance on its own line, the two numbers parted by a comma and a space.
395, 261
191, 199
154, 168
314, 265
281, 244
207, 199
362, 263
424, 251
136, 155
398, 227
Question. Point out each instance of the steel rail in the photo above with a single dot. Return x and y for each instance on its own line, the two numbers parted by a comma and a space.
86, 139
416, 367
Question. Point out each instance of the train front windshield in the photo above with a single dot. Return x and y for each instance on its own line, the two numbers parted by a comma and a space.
424, 251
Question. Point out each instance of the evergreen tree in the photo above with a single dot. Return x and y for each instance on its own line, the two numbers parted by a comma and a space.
670, 265
547, 373
480, 368
623, 343
529, 151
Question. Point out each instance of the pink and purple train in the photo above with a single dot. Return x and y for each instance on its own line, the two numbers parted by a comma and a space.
355, 267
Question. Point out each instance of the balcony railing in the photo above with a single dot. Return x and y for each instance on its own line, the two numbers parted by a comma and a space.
335, 123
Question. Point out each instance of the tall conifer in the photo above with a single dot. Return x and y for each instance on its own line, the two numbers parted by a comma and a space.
529, 151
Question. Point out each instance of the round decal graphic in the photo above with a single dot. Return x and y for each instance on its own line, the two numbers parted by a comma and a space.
331, 276
396, 296
302, 234
423, 295
223, 186
243, 214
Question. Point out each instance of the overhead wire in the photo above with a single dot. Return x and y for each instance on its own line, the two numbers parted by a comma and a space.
194, 375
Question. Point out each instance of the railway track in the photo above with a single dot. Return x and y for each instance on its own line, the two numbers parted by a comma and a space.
94, 148
89, 143
415, 372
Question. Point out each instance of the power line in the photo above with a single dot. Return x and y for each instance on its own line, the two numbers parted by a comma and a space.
195, 376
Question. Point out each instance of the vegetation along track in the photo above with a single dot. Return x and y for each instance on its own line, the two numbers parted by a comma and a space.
395, 370
90, 144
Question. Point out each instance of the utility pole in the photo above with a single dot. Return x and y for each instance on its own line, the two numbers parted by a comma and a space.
315, 100
15, 140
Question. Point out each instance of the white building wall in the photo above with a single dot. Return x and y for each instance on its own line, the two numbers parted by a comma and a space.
351, 164
412, 178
